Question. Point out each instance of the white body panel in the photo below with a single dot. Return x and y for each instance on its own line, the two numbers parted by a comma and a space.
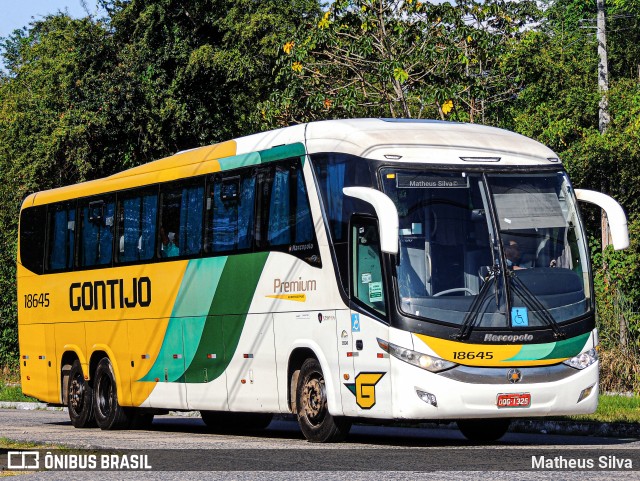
280, 320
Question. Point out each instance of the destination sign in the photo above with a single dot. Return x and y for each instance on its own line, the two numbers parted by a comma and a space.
412, 181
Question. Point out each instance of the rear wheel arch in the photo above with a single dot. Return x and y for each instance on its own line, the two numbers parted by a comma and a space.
66, 362
296, 359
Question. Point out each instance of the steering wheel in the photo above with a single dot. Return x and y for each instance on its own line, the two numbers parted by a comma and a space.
457, 289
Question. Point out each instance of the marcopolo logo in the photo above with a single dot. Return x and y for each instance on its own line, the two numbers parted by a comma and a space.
508, 337
110, 294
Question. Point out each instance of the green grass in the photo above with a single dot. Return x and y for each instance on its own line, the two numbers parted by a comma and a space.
6, 443
13, 393
625, 409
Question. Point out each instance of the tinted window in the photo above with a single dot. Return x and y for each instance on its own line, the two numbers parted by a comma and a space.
62, 226
96, 232
333, 173
32, 237
137, 214
289, 213
230, 212
181, 219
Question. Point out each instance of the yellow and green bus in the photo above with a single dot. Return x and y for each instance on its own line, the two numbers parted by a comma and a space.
367, 268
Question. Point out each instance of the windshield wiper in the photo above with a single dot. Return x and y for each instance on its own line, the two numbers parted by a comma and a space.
472, 314
534, 304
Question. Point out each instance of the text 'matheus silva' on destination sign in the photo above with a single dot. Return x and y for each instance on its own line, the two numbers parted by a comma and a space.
411, 181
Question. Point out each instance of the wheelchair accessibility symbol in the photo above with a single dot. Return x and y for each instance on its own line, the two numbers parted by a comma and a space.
355, 322
519, 317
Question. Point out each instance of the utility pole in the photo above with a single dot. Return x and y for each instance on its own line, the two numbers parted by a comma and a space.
603, 69
603, 88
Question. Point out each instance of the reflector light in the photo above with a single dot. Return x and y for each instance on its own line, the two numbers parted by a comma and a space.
585, 393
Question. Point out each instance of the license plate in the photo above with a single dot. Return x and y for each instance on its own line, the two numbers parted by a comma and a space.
519, 400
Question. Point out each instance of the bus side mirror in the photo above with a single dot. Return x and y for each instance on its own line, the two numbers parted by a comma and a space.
385, 211
615, 215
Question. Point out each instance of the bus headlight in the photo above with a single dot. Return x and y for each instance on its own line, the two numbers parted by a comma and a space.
423, 361
583, 360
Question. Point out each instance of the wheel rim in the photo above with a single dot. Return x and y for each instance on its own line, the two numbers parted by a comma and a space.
76, 394
105, 390
314, 399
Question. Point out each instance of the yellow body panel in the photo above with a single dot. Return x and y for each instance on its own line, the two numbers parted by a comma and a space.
186, 164
40, 371
125, 335
144, 350
482, 354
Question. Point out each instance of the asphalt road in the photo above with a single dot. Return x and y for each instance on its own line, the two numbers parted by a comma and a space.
280, 452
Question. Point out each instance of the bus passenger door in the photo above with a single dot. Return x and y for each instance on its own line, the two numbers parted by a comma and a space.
371, 384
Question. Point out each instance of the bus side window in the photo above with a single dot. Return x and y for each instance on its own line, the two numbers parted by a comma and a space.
181, 219
230, 213
289, 212
96, 232
33, 221
136, 217
366, 267
62, 226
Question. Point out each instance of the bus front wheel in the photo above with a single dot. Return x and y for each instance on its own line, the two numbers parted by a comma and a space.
109, 414
315, 421
483, 429
80, 398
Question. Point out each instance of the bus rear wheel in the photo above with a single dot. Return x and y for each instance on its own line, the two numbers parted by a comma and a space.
315, 421
80, 398
109, 414
486, 430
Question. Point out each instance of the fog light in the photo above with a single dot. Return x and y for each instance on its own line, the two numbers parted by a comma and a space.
585, 392
428, 397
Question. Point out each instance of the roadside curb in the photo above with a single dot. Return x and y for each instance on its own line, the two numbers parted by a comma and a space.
30, 406
528, 426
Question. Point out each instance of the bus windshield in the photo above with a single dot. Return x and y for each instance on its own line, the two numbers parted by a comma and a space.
491, 250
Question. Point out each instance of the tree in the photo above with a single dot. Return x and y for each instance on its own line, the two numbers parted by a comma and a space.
397, 58
82, 99
54, 123
196, 70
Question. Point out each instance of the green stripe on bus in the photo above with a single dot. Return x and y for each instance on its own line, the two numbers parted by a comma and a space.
270, 155
227, 316
568, 348
242, 160
282, 152
198, 287
533, 352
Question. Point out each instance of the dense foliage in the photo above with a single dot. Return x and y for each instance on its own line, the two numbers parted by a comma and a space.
84, 98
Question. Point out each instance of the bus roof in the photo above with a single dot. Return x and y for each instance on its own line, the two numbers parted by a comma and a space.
406, 139
389, 140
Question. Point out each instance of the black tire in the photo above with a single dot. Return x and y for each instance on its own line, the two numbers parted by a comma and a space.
109, 414
80, 398
221, 421
317, 425
483, 430
139, 419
